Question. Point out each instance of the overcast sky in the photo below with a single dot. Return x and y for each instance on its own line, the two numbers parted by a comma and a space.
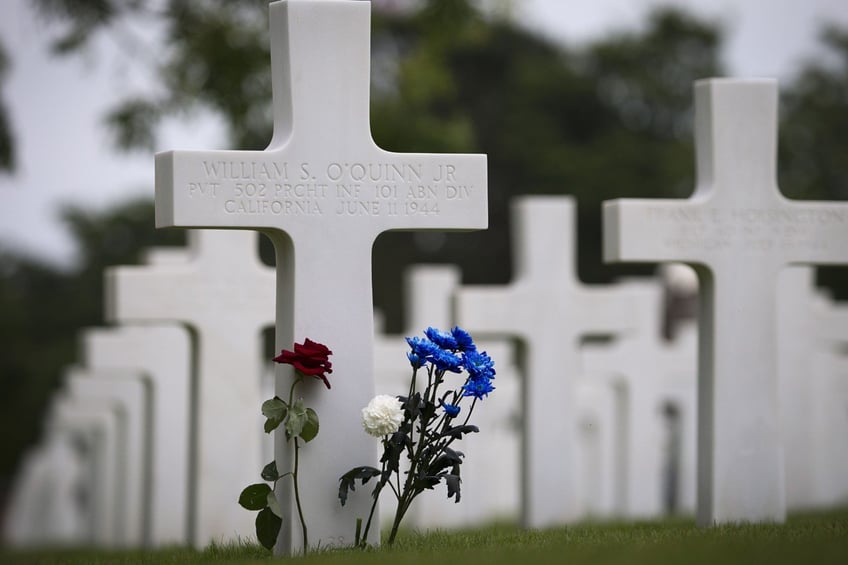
64, 154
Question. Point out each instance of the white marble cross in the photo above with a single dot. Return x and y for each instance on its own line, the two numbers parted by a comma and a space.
738, 231
811, 401
640, 365
161, 355
323, 191
44, 506
829, 426
98, 424
549, 311
597, 421
125, 391
225, 296
798, 342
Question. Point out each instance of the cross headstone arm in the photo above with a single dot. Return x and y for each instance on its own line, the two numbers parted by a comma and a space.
668, 231
278, 190
218, 189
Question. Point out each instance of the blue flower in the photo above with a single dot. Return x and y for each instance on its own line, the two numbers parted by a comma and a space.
422, 350
415, 360
446, 361
443, 339
479, 365
451, 410
463, 339
478, 388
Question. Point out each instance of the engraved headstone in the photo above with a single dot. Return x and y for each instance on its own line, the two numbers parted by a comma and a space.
638, 364
809, 326
549, 310
126, 392
224, 295
161, 355
99, 428
830, 426
799, 341
323, 191
597, 420
738, 231
44, 506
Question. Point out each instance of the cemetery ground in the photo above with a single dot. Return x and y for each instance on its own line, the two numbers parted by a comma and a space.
818, 538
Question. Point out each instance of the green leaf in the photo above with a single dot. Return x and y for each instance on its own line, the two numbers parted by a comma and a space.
270, 473
456, 432
274, 505
347, 481
275, 410
297, 419
310, 427
453, 482
268, 528
449, 458
255, 497
393, 449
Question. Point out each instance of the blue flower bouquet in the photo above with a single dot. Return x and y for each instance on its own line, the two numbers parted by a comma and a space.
423, 426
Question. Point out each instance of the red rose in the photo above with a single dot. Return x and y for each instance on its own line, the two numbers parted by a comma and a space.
311, 359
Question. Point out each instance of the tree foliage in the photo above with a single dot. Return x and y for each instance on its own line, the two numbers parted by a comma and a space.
813, 142
606, 120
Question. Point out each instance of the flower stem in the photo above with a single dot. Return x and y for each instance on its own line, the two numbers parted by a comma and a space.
402, 507
294, 474
297, 497
291, 390
376, 497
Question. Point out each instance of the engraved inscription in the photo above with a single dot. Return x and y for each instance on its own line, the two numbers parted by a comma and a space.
343, 189
751, 229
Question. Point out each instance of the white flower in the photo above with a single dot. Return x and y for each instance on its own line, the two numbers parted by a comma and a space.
382, 416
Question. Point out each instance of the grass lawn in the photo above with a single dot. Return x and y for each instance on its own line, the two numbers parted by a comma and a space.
805, 539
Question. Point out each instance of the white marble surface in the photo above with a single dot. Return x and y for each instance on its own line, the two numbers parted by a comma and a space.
224, 296
126, 394
323, 191
738, 231
548, 310
161, 356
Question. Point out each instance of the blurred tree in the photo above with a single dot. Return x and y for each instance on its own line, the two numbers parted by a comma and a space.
552, 121
605, 121
814, 122
813, 144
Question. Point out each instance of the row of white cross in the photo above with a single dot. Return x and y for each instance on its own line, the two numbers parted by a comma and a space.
323, 191
133, 389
